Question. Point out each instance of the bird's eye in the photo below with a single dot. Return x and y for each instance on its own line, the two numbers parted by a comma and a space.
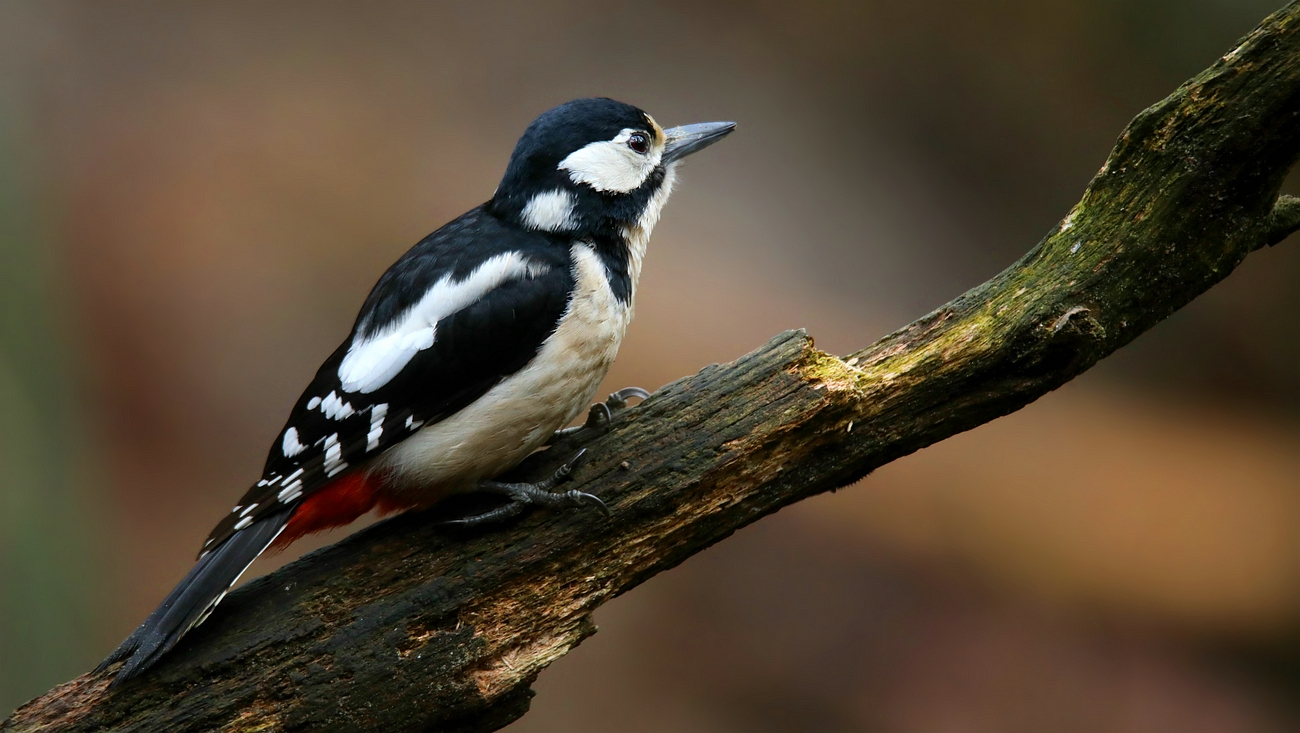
639, 142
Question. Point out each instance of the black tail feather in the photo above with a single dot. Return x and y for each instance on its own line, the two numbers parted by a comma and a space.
193, 598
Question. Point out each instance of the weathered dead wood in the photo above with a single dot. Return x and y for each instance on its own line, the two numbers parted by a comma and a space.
406, 627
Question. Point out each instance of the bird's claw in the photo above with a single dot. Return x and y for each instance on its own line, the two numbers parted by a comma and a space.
601, 414
598, 416
618, 400
541, 493
563, 473
582, 498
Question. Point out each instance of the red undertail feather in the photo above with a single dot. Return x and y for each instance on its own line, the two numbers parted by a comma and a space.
338, 503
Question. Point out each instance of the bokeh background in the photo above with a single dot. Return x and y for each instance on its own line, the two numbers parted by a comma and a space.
195, 198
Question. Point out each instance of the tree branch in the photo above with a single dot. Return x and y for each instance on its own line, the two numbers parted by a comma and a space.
1285, 220
407, 627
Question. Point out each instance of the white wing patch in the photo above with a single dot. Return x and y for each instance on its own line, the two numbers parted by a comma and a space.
611, 165
550, 211
291, 492
372, 361
377, 415
334, 462
336, 408
291, 446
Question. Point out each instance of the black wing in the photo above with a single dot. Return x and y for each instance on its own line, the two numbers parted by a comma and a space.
332, 429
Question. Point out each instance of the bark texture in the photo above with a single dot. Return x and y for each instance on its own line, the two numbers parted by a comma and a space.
409, 627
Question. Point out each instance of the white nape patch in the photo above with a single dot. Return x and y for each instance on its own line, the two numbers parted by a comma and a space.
550, 211
313, 403
291, 446
334, 462
611, 165
243, 523
377, 415
335, 408
372, 361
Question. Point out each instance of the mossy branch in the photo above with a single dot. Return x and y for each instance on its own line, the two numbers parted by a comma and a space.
1285, 220
406, 627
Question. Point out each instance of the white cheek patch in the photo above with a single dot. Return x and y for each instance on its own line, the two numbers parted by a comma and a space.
371, 362
550, 211
611, 165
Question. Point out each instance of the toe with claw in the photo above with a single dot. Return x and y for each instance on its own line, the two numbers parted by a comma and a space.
601, 414
540, 493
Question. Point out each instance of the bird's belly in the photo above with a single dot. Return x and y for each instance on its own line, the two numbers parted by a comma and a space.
516, 417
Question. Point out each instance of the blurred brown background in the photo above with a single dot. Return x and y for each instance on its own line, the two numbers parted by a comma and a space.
194, 199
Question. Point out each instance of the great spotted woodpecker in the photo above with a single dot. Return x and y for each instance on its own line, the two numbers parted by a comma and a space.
471, 351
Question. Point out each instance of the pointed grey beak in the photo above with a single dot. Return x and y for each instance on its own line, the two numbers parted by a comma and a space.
687, 139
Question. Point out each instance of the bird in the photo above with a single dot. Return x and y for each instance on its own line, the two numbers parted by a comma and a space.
473, 350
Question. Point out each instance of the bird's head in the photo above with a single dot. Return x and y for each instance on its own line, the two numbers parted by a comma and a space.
595, 167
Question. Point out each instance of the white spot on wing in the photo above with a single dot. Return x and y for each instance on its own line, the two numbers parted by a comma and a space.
335, 408
243, 523
291, 446
372, 361
610, 165
550, 211
377, 415
290, 492
334, 462
313, 403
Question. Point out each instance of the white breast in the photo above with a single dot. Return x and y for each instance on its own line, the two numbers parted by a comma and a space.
516, 416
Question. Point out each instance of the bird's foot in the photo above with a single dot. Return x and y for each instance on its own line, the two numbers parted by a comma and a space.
602, 413
541, 493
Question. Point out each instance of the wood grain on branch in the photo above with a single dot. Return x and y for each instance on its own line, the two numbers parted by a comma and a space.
409, 627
